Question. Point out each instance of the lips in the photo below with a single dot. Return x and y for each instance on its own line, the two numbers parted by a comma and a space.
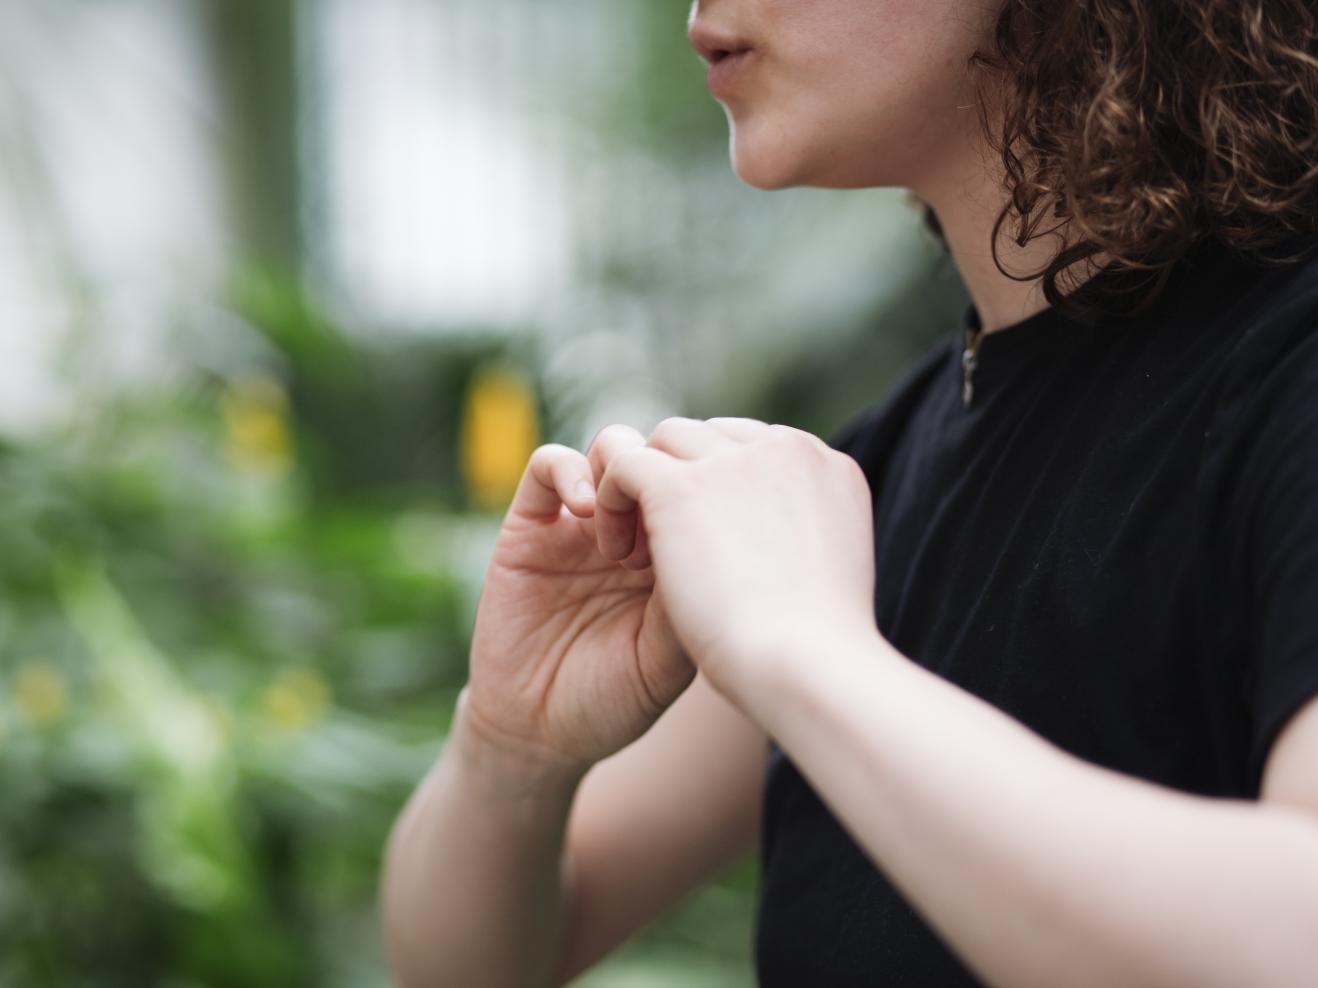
721, 54
725, 52
723, 75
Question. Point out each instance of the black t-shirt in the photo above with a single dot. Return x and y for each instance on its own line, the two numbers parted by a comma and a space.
1115, 542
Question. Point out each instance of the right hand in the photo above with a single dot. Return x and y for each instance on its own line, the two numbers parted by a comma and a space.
572, 655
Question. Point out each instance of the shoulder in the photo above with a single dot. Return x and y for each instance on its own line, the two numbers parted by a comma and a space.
1269, 370
1260, 464
1273, 320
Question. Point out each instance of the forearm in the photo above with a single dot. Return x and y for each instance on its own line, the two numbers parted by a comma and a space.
477, 884
1039, 868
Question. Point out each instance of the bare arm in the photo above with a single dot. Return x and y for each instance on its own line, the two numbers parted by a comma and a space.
504, 872
1039, 868
474, 866
661, 818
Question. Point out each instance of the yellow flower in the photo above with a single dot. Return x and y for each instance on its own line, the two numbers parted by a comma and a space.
500, 430
296, 700
40, 693
256, 424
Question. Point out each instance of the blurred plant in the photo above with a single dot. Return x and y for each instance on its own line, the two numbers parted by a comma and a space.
40, 693
214, 695
256, 417
296, 700
500, 430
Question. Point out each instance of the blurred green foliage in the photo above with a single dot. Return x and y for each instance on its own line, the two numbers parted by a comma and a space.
219, 690
226, 667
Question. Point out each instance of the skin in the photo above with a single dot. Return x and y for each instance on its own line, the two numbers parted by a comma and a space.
856, 93
637, 577
849, 93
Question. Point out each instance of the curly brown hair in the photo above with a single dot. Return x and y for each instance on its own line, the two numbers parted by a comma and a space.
1148, 126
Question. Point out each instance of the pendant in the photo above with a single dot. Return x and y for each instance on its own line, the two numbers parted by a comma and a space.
969, 360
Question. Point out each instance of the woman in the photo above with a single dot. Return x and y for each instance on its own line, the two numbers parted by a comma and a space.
1031, 643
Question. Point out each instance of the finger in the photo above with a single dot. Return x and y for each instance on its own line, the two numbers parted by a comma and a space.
629, 473
687, 438
740, 429
551, 480
612, 527
640, 554
608, 443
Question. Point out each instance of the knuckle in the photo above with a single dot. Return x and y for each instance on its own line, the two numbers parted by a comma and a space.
614, 432
615, 468
670, 425
548, 454
792, 438
617, 429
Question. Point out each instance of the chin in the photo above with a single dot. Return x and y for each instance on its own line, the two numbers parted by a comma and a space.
765, 159
764, 165
766, 179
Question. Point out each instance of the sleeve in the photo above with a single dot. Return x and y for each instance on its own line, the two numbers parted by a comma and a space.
1276, 508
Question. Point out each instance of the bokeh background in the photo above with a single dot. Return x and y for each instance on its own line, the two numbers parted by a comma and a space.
289, 291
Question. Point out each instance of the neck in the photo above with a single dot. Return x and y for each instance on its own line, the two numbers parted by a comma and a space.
966, 197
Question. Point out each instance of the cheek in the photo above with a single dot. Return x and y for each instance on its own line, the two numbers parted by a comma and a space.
856, 91
826, 31
854, 54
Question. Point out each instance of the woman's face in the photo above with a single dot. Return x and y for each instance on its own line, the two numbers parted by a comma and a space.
848, 93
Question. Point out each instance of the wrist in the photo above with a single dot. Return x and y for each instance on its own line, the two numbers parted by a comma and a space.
809, 660
504, 767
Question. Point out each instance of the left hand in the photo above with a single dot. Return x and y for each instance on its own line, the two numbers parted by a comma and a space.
760, 536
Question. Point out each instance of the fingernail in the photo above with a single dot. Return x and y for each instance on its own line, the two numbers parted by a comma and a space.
584, 489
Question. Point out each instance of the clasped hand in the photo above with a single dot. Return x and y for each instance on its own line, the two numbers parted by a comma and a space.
757, 534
